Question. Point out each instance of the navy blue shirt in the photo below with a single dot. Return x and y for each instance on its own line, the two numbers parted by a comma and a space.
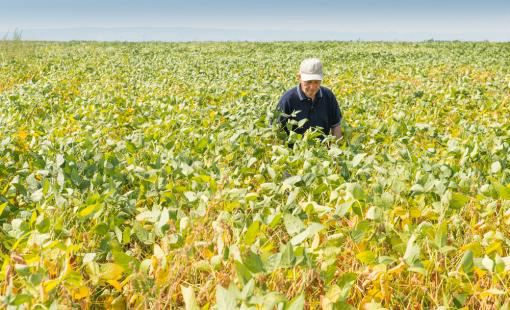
323, 112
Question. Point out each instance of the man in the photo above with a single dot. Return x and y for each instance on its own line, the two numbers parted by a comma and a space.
310, 101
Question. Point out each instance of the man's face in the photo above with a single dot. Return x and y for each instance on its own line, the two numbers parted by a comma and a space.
310, 88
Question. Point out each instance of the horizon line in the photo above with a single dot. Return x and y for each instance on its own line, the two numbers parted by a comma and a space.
251, 30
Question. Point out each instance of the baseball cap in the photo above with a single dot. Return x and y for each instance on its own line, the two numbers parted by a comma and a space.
311, 69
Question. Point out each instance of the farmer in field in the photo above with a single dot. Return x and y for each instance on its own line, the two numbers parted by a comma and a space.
310, 101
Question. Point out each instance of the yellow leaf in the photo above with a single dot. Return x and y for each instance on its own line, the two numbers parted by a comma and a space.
491, 292
414, 212
22, 134
115, 284
111, 271
207, 253
399, 211
161, 277
49, 285
51, 266
2, 206
125, 281
32, 259
88, 210
81, 292
494, 247
133, 299
118, 303
479, 272
397, 269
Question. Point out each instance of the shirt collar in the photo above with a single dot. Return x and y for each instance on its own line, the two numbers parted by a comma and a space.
302, 96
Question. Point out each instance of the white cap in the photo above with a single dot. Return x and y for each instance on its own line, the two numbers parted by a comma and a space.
311, 69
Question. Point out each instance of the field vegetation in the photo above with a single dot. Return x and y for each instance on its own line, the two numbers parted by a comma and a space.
148, 176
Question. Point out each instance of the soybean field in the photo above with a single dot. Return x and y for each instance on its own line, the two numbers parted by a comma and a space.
149, 176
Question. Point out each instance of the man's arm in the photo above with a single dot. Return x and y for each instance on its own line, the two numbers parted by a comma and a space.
337, 132
336, 119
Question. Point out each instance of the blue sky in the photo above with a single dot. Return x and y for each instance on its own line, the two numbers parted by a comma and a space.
444, 16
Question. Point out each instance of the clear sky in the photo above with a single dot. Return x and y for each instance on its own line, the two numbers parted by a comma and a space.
439, 16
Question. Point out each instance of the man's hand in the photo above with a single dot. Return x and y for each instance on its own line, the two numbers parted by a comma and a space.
337, 132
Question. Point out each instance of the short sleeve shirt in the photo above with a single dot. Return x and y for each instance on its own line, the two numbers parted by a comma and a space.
323, 112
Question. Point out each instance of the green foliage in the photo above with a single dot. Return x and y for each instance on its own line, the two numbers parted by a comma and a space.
149, 175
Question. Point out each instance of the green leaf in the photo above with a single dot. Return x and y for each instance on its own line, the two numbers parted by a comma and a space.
357, 191
374, 213
188, 295
287, 258
273, 262
110, 271
459, 299
359, 233
293, 224
252, 232
243, 273
487, 263
88, 257
125, 261
74, 278
342, 209
191, 196
458, 200
366, 257
358, 159
248, 289
341, 305
43, 226
334, 293
271, 300
162, 224
441, 236
374, 306
298, 303
311, 230
225, 299
345, 283
290, 181
499, 264
148, 238
412, 251
495, 167
22, 299
503, 191
466, 263
89, 210
101, 229
253, 262
60, 160
292, 196
37, 195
